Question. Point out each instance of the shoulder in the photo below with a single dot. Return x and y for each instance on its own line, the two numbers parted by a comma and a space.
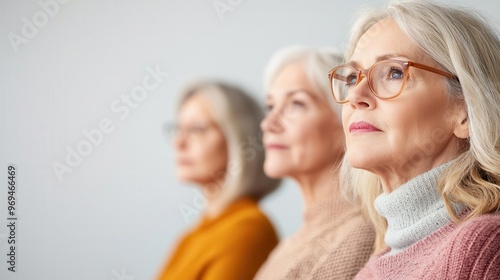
479, 230
248, 211
249, 222
357, 230
474, 249
349, 251
358, 234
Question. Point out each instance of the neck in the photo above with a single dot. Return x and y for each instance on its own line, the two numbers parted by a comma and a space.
318, 186
211, 192
392, 179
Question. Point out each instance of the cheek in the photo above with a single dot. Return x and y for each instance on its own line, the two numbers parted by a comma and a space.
346, 115
210, 158
300, 137
419, 129
318, 142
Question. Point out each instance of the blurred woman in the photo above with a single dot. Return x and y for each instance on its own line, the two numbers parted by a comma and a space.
216, 146
421, 115
303, 139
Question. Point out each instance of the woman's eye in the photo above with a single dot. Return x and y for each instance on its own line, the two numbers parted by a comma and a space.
269, 108
293, 109
199, 128
351, 80
395, 74
298, 103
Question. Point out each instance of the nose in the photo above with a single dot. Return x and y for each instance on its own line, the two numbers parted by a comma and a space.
180, 141
272, 123
360, 96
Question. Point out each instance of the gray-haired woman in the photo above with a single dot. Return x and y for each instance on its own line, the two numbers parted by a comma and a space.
421, 114
304, 141
217, 147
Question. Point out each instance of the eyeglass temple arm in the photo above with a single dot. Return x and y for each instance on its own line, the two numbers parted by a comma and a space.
432, 69
337, 76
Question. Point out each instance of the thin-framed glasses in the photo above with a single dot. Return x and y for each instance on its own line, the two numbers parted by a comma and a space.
194, 130
386, 78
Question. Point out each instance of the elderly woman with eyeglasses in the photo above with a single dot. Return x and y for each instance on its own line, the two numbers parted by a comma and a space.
421, 114
216, 149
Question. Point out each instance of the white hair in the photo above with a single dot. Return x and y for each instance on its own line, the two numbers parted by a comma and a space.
317, 63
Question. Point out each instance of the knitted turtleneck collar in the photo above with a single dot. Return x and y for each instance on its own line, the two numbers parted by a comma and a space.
414, 210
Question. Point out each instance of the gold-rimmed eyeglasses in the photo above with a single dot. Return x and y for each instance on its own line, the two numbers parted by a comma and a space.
386, 78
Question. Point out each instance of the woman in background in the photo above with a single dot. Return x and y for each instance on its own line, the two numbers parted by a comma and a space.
421, 114
304, 140
216, 150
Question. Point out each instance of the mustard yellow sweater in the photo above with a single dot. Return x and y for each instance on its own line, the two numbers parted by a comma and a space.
232, 245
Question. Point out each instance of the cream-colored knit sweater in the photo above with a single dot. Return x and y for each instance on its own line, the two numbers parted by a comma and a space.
333, 243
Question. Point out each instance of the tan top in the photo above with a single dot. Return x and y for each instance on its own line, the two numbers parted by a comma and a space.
333, 243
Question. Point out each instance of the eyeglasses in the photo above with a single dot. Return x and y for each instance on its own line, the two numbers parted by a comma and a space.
386, 78
196, 130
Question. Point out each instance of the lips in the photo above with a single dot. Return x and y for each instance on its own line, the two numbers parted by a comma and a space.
274, 146
183, 161
362, 127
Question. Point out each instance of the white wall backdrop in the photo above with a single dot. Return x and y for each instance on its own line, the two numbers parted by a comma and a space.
71, 74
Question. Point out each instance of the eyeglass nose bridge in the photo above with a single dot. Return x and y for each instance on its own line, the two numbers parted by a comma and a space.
366, 74
360, 74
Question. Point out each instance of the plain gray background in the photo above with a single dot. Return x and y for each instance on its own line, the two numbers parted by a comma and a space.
116, 214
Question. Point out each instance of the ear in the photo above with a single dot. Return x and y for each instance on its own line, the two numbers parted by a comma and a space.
462, 123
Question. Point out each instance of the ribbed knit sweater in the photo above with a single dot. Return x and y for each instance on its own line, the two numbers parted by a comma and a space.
424, 242
334, 242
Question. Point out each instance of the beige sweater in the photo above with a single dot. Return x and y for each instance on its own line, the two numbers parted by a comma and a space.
333, 243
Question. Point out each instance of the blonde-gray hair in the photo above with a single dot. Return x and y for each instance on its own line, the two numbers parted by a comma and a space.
238, 116
317, 63
463, 43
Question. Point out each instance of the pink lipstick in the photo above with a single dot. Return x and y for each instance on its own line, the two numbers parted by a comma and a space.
362, 127
276, 147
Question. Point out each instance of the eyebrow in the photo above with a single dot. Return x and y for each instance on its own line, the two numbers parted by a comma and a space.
296, 91
379, 58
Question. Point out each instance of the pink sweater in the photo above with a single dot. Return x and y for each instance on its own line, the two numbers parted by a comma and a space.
467, 251
425, 244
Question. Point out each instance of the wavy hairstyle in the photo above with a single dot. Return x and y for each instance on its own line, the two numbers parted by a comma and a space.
462, 42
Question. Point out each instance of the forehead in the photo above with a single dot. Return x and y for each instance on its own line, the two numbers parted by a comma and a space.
291, 79
195, 107
382, 39
290, 75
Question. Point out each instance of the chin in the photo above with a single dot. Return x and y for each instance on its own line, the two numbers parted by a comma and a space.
360, 160
185, 176
275, 170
